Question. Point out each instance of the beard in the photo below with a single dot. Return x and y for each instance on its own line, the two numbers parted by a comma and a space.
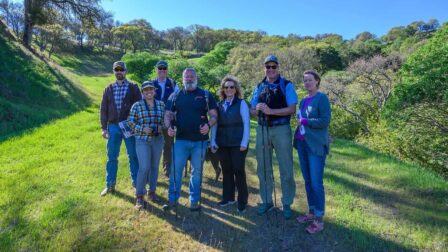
119, 77
191, 85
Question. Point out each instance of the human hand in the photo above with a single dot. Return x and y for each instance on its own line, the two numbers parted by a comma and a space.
105, 134
204, 129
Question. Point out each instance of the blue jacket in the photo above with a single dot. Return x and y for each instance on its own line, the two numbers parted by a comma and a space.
316, 132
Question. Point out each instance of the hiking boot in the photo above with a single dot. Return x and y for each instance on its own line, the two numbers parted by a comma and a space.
152, 196
287, 212
169, 206
264, 208
306, 218
107, 190
224, 203
241, 207
194, 207
139, 203
315, 227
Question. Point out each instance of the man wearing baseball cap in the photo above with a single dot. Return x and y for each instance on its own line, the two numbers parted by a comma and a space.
273, 101
164, 88
117, 100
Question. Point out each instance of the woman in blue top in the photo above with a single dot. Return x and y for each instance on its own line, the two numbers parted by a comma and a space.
312, 143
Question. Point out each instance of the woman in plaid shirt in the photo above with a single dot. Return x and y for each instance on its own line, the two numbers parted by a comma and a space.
146, 121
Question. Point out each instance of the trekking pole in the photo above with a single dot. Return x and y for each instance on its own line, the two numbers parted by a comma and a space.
263, 124
200, 177
173, 161
272, 172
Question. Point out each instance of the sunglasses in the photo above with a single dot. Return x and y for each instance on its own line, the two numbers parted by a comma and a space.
119, 70
161, 68
227, 87
270, 67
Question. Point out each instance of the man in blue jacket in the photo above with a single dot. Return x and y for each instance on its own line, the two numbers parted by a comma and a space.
164, 88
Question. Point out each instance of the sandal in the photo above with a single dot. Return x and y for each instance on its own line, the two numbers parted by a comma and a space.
305, 218
315, 227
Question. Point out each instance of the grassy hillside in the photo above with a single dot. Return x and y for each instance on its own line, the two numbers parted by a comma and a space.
32, 91
51, 178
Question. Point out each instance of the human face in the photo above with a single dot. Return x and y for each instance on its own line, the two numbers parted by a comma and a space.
190, 80
149, 93
271, 70
162, 72
120, 73
229, 89
310, 83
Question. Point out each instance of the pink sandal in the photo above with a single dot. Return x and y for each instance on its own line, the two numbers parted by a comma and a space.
315, 227
305, 218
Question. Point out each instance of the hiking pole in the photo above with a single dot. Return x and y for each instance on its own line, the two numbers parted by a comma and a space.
263, 124
272, 172
200, 177
173, 161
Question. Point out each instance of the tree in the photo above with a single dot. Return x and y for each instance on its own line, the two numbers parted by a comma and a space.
13, 14
36, 13
177, 37
363, 90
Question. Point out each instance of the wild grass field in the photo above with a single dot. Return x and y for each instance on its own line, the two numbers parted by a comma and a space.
51, 178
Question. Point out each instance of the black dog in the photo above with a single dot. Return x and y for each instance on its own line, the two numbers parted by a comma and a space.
211, 157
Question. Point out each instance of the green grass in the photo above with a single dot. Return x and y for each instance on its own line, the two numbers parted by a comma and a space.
33, 91
51, 178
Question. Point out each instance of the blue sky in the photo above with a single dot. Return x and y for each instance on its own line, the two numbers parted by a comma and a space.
345, 17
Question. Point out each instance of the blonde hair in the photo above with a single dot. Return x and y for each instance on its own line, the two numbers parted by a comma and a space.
235, 81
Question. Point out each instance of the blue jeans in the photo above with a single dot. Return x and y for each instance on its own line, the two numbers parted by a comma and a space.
148, 154
313, 171
182, 150
113, 150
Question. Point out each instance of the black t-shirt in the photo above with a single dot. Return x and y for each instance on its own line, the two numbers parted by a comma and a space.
191, 112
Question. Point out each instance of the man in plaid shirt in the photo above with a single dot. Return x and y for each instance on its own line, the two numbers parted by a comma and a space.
118, 98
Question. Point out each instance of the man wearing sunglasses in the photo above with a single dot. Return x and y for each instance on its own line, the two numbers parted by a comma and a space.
116, 103
274, 100
164, 88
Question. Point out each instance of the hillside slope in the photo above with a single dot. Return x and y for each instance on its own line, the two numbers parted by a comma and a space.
32, 92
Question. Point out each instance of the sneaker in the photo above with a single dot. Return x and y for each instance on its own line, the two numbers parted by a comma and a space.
306, 218
169, 206
287, 212
107, 190
264, 208
224, 203
315, 227
241, 207
194, 207
140, 203
153, 197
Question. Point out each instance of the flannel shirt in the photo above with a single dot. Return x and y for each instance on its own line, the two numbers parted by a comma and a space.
140, 117
120, 93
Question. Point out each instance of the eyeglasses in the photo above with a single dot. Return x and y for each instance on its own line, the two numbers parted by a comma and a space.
119, 70
161, 68
227, 87
270, 67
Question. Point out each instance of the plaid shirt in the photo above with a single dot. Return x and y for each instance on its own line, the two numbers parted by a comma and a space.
120, 93
140, 117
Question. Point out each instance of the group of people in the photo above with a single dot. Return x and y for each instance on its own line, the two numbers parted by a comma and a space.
150, 118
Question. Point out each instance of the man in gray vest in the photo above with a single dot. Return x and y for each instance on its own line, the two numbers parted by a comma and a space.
164, 88
274, 100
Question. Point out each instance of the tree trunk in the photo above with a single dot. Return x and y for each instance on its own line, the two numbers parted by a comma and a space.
28, 23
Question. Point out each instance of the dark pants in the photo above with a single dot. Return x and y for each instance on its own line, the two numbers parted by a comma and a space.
233, 169
167, 149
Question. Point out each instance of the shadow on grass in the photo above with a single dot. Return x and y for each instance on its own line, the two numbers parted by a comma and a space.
33, 93
223, 228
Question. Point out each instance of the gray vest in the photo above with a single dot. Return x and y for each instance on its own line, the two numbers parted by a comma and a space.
230, 125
